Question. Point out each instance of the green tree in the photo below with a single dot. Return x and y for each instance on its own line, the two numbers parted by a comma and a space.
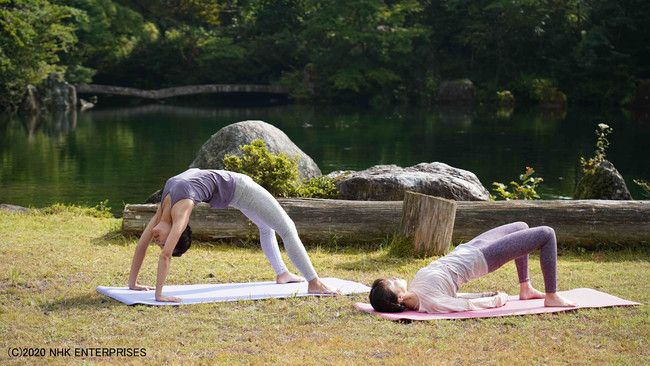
612, 54
32, 36
169, 14
501, 44
358, 49
107, 33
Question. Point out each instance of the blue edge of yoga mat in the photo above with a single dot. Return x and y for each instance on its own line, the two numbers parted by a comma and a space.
208, 293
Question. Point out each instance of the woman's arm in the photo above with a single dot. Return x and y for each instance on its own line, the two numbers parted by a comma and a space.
447, 304
475, 295
488, 302
141, 252
180, 217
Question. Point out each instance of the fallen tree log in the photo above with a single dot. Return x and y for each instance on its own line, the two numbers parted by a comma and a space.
317, 220
584, 223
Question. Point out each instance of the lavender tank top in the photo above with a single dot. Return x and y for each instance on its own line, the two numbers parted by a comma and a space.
214, 187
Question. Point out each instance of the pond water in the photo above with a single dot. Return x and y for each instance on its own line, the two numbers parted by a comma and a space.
125, 153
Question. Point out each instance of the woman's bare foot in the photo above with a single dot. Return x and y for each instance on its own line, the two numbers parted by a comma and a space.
316, 286
288, 277
527, 292
554, 300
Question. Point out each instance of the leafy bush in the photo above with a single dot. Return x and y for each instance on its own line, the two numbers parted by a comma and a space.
278, 174
318, 187
588, 166
545, 93
645, 185
505, 98
525, 190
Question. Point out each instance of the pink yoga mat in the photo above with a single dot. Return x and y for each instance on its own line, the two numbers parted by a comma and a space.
584, 297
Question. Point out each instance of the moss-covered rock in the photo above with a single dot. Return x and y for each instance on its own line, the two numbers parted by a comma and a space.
603, 183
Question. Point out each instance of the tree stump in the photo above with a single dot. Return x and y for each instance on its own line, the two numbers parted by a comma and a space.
430, 220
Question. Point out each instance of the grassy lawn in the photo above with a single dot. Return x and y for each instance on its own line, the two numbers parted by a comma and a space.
51, 264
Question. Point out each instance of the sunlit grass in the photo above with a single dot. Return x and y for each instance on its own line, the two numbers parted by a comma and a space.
52, 263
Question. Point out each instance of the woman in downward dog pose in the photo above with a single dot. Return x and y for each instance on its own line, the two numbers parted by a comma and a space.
433, 290
220, 189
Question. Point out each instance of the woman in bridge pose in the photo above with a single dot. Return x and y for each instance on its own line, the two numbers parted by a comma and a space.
433, 290
219, 188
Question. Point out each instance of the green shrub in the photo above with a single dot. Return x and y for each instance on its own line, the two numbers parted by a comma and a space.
525, 190
100, 211
589, 166
505, 98
545, 93
278, 174
645, 185
318, 187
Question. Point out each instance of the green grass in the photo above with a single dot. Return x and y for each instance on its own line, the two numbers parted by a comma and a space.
51, 264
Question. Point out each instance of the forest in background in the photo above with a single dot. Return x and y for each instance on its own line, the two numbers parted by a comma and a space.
365, 51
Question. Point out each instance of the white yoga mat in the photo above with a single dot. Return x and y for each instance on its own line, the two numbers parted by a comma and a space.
194, 294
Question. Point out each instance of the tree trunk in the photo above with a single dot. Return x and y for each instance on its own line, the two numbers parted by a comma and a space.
430, 220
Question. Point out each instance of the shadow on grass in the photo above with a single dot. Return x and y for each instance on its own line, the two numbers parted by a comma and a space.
115, 236
92, 300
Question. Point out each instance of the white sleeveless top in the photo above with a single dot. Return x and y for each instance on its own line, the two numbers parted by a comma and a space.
436, 284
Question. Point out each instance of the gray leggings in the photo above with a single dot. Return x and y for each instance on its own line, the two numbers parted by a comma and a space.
514, 242
264, 211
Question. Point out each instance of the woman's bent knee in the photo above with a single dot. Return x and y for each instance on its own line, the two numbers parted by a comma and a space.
546, 231
520, 225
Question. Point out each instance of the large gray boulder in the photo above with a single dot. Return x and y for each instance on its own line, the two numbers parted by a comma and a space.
389, 182
605, 183
230, 138
459, 93
52, 94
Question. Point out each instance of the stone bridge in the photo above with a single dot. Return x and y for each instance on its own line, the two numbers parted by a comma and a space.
180, 91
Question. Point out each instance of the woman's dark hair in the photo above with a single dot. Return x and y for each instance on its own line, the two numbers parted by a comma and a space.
184, 242
383, 299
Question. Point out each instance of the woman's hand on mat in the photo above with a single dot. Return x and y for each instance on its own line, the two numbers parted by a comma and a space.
141, 288
168, 298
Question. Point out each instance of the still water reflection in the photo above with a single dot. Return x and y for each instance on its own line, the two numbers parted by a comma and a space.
124, 154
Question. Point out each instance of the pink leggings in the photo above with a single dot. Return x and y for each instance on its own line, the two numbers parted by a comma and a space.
514, 242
